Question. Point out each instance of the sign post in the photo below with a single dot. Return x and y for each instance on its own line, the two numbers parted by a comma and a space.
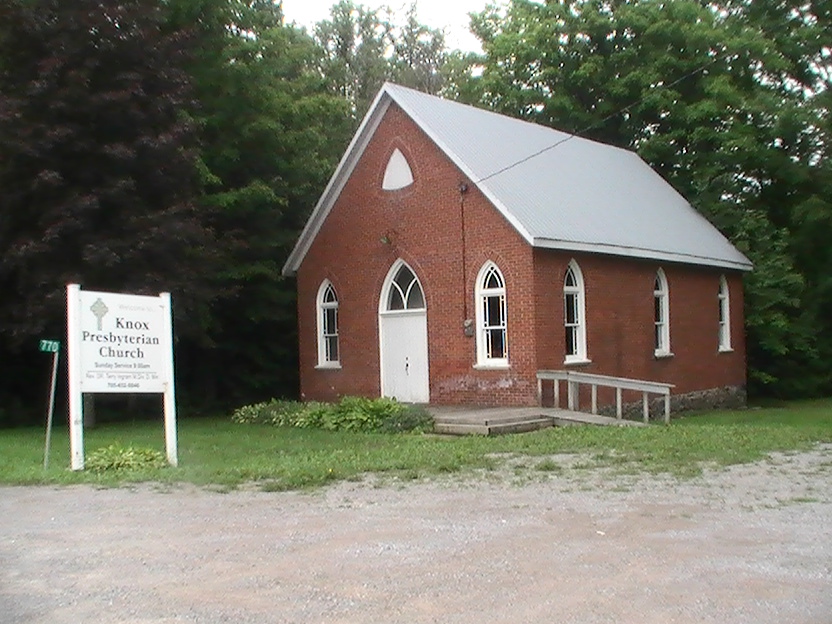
118, 343
53, 347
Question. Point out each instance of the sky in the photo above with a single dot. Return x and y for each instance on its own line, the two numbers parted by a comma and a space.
451, 15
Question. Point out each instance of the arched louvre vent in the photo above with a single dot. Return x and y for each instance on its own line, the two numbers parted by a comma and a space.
398, 174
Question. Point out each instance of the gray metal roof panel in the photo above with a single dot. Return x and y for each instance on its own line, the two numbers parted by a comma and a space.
566, 191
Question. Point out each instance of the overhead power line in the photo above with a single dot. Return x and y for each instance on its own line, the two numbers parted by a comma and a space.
599, 122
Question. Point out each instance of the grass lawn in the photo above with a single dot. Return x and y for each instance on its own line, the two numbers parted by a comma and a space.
218, 452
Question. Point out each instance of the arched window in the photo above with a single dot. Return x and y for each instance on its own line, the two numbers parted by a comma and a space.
661, 307
490, 295
405, 291
724, 315
328, 349
574, 314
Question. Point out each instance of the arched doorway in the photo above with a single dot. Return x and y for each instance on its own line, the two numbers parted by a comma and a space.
403, 336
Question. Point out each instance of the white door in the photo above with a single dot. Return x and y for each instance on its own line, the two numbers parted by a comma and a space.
403, 337
404, 357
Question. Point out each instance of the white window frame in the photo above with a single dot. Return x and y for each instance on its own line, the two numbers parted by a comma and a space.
481, 295
661, 325
578, 327
324, 333
724, 331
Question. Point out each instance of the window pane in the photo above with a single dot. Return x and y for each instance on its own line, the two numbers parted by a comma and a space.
571, 302
329, 295
396, 301
403, 278
415, 299
659, 341
570, 278
571, 340
659, 309
330, 320
493, 312
332, 349
496, 343
492, 279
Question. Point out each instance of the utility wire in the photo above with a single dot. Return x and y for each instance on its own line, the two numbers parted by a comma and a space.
599, 122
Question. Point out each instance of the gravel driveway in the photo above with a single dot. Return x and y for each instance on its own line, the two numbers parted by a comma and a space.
749, 544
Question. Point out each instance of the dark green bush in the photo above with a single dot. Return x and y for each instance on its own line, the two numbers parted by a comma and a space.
349, 414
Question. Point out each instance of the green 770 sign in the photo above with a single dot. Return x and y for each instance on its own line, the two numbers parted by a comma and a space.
50, 346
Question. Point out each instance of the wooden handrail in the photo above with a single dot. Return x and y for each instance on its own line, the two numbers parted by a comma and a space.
573, 379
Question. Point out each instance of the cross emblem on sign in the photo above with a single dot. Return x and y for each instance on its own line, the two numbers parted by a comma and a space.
100, 310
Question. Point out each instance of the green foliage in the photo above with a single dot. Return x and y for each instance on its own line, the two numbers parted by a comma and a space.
349, 414
270, 137
361, 48
120, 458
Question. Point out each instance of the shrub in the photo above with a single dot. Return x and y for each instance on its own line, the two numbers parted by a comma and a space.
349, 414
411, 418
274, 412
120, 458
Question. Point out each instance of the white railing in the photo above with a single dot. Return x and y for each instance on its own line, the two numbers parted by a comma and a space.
573, 380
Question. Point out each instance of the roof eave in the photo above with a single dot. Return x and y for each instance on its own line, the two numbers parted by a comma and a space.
645, 254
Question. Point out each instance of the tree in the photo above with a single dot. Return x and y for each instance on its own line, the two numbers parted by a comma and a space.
354, 44
721, 100
270, 137
361, 48
97, 174
419, 55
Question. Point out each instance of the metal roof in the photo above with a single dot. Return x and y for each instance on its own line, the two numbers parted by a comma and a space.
558, 190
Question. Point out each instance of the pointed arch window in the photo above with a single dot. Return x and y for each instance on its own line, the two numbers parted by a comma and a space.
724, 298
329, 355
574, 314
398, 174
661, 315
492, 334
405, 292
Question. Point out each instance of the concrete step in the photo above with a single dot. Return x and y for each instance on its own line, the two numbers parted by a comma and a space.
495, 427
486, 420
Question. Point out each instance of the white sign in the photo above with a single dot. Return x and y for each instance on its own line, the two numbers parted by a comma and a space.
118, 343
122, 343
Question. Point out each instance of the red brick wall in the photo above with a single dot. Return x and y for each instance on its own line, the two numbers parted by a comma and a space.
620, 315
424, 224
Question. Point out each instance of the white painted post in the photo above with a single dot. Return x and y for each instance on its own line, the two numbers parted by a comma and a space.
618, 411
73, 354
539, 392
594, 398
556, 382
667, 408
645, 404
169, 393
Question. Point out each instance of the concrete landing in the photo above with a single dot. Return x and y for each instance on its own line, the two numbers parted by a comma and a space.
463, 420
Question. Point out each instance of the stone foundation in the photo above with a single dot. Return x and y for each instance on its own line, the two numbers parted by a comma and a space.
726, 397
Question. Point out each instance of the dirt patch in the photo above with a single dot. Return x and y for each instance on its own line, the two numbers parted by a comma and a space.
748, 544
